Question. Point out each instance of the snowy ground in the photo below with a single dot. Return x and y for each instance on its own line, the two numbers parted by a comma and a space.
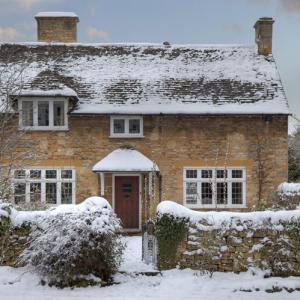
175, 284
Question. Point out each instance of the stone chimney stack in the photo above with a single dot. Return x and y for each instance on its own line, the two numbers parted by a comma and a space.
57, 27
263, 35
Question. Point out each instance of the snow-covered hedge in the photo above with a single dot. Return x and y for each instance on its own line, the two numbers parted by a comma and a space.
72, 244
230, 241
288, 188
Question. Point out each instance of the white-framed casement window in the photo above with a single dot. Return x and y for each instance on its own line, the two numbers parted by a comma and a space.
214, 187
126, 127
43, 114
46, 185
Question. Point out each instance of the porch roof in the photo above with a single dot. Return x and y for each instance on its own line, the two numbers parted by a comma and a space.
125, 160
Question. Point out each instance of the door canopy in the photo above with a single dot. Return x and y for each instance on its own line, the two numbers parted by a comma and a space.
125, 160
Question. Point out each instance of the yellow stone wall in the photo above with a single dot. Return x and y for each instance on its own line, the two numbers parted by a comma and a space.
173, 142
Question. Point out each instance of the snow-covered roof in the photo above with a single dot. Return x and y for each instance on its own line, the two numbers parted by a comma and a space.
152, 78
55, 14
125, 160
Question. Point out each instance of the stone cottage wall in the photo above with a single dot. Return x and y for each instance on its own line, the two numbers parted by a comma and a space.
173, 142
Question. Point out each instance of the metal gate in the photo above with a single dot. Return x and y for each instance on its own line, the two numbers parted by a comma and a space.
150, 247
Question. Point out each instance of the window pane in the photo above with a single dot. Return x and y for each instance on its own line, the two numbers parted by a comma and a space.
43, 113
134, 126
222, 192
59, 113
237, 193
119, 126
19, 174
66, 192
50, 174
27, 113
66, 174
35, 174
206, 173
51, 192
191, 192
19, 192
191, 173
221, 173
35, 192
237, 173
206, 193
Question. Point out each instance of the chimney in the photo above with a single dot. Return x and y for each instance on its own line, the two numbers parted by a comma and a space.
57, 27
263, 35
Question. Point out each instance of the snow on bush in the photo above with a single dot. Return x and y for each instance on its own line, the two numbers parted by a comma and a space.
289, 189
72, 244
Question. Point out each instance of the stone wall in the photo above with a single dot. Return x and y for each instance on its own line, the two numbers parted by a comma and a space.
173, 142
14, 244
233, 242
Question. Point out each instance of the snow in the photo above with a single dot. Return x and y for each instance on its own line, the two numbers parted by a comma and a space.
100, 75
91, 204
218, 218
125, 160
289, 188
50, 14
133, 256
23, 284
66, 92
294, 125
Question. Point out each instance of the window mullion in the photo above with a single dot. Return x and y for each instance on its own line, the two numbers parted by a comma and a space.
35, 113
127, 126
199, 188
51, 118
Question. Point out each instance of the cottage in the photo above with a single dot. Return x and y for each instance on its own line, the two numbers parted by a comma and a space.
202, 125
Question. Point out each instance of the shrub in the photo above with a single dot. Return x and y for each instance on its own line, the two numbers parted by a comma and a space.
69, 248
169, 231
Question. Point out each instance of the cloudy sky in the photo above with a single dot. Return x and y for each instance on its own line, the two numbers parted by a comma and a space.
176, 21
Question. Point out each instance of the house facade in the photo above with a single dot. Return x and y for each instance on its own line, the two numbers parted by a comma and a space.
202, 125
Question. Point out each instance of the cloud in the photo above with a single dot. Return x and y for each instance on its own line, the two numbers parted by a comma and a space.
291, 5
233, 28
8, 34
93, 33
27, 4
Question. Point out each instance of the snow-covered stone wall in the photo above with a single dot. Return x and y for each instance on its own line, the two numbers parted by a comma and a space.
226, 241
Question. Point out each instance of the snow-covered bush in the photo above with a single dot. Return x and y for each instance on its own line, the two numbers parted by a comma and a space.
72, 244
287, 196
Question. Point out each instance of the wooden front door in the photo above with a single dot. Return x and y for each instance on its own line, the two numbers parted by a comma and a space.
127, 200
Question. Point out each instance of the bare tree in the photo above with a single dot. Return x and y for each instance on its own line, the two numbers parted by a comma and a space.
15, 147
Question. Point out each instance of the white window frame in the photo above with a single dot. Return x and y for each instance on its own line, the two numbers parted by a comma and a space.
43, 180
35, 126
214, 182
126, 134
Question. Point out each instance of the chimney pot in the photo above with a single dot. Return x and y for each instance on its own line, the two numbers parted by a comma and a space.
263, 35
57, 27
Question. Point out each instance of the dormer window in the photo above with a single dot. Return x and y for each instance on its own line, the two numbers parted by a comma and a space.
43, 114
126, 127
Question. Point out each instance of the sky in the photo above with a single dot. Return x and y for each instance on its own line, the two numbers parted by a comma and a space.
176, 21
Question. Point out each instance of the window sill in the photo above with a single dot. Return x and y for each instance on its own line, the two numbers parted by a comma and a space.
44, 128
126, 136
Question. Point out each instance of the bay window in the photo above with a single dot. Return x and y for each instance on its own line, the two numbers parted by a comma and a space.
215, 187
